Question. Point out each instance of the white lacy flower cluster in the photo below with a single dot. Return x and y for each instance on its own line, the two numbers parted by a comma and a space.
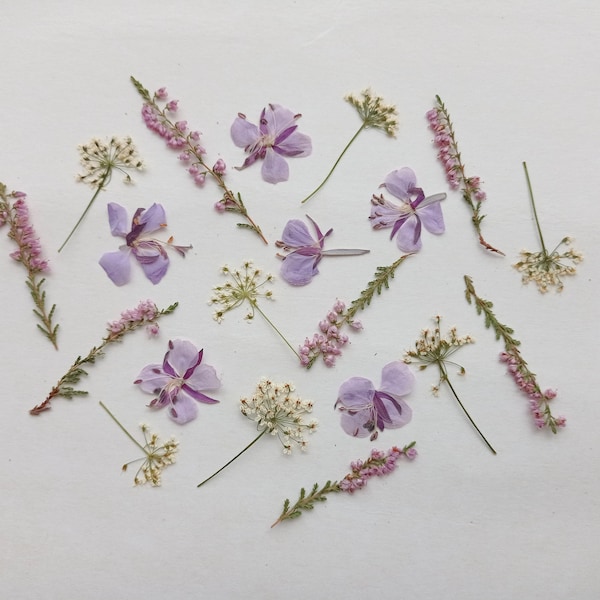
277, 409
158, 456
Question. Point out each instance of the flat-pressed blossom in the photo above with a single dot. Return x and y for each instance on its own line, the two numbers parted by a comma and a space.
365, 410
15, 213
145, 314
99, 159
414, 212
546, 268
304, 252
180, 381
278, 410
378, 464
149, 252
158, 115
374, 113
276, 136
433, 349
539, 401
157, 455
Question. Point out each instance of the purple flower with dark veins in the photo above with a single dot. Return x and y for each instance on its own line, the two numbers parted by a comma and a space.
149, 252
180, 381
275, 136
366, 410
407, 219
299, 266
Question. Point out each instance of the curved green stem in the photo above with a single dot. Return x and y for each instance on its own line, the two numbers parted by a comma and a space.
236, 456
255, 305
363, 126
535, 215
123, 428
445, 378
87, 208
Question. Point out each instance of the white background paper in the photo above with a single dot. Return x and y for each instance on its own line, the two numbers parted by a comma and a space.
521, 82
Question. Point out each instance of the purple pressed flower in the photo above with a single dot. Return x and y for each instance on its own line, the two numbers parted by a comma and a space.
275, 136
299, 266
366, 410
149, 252
407, 219
179, 381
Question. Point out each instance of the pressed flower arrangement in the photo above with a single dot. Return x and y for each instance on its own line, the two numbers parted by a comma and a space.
183, 380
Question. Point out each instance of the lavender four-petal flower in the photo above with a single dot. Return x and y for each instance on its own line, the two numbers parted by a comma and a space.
150, 253
180, 381
407, 219
365, 410
275, 136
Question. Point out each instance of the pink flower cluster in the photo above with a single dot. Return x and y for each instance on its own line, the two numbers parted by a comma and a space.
329, 341
449, 155
378, 464
538, 400
145, 312
29, 250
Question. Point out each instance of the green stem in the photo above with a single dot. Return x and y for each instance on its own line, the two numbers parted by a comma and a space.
363, 126
123, 428
535, 215
255, 305
236, 456
87, 208
445, 378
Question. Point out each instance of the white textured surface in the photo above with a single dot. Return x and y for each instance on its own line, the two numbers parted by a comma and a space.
521, 82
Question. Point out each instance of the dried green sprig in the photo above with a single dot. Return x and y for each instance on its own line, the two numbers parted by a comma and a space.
157, 455
433, 349
145, 314
244, 285
15, 213
539, 401
379, 463
375, 114
99, 159
328, 342
545, 268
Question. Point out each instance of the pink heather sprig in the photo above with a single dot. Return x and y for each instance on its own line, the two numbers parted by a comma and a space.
378, 464
192, 154
539, 402
146, 313
329, 341
449, 156
14, 213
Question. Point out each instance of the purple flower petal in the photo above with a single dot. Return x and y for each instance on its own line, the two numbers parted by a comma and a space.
397, 379
297, 144
153, 218
400, 183
296, 234
244, 134
117, 219
153, 260
117, 266
406, 235
182, 355
277, 118
275, 168
204, 377
152, 379
356, 393
198, 396
298, 269
183, 409
358, 424
432, 218
392, 412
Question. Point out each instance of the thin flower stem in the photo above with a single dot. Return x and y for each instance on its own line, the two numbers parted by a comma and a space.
447, 380
101, 185
123, 429
255, 305
535, 215
235, 457
363, 126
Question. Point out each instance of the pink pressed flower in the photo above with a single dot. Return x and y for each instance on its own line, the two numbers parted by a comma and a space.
180, 381
274, 138
365, 410
220, 167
